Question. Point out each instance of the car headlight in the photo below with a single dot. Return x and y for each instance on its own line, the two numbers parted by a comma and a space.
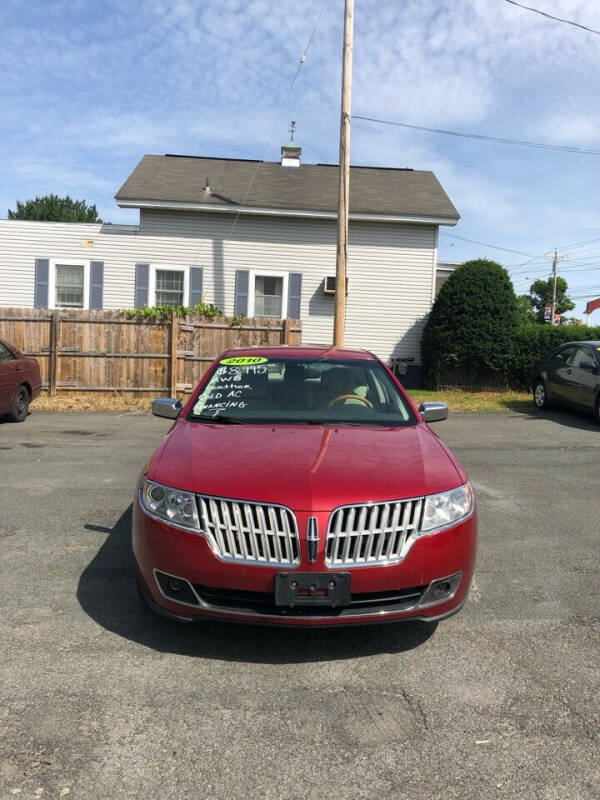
172, 505
446, 508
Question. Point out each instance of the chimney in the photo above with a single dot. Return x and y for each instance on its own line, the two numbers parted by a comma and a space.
291, 152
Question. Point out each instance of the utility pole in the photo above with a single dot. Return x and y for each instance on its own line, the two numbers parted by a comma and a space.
555, 259
554, 262
344, 177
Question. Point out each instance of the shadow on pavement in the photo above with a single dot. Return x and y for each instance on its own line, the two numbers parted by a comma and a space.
571, 419
108, 593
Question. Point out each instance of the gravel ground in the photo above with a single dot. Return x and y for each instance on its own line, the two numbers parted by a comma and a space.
99, 698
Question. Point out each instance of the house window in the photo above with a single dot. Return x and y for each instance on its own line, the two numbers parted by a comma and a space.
69, 286
268, 296
169, 287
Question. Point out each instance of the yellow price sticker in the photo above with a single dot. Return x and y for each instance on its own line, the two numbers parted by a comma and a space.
244, 361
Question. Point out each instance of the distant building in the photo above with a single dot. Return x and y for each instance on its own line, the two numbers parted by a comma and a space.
254, 238
443, 272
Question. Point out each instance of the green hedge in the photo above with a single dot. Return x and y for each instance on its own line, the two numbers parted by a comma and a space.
471, 325
475, 338
533, 340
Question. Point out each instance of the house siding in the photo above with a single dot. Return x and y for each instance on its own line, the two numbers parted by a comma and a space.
391, 266
21, 242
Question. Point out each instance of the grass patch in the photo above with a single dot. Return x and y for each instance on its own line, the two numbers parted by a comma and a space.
95, 401
141, 402
476, 401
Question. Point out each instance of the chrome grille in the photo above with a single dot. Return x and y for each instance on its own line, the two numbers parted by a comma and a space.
376, 533
255, 533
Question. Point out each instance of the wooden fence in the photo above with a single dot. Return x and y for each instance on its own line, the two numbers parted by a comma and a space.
106, 351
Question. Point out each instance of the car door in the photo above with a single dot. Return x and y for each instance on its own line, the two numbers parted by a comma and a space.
584, 379
559, 372
8, 378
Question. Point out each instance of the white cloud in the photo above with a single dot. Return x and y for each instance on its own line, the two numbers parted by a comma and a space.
90, 88
573, 129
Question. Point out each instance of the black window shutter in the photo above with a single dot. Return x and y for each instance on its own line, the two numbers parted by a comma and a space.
96, 285
240, 302
294, 295
40, 294
195, 285
142, 284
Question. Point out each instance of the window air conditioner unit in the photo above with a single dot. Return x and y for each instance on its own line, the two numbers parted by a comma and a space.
329, 285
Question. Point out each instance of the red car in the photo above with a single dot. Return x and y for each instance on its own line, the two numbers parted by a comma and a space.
300, 486
19, 382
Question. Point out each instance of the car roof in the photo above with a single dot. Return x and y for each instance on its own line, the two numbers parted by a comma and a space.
590, 342
300, 351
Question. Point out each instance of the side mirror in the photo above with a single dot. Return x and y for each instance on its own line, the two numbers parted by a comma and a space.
168, 407
433, 412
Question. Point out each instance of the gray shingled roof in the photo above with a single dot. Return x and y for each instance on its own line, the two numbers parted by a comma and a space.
310, 187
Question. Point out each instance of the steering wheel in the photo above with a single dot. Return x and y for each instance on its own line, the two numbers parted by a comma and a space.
342, 397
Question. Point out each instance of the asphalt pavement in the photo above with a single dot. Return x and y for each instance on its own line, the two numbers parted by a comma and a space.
101, 698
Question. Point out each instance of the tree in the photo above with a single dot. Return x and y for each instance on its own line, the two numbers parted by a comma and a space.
525, 308
52, 208
541, 296
472, 322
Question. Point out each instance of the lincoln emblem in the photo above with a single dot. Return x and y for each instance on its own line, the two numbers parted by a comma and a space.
312, 539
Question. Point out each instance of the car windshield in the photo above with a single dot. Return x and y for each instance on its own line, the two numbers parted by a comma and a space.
302, 390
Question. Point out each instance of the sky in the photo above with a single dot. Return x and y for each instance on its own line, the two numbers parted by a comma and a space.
90, 87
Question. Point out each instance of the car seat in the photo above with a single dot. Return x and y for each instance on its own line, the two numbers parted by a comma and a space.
256, 397
338, 381
296, 392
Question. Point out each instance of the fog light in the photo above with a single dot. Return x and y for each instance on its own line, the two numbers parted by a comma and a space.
178, 589
441, 590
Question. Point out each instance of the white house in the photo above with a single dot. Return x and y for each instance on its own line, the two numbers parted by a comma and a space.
252, 237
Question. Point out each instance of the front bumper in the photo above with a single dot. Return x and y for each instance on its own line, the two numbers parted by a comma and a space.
243, 592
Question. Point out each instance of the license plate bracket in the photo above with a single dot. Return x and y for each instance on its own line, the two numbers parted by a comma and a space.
312, 589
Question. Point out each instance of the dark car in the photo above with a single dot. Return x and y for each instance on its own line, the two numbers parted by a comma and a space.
19, 382
569, 375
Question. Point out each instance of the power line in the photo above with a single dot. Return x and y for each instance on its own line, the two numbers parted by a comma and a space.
579, 264
584, 258
525, 263
576, 264
550, 16
585, 296
301, 62
481, 138
564, 272
577, 244
484, 244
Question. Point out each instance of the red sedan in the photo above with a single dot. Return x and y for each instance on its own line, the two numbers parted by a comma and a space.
300, 486
19, 382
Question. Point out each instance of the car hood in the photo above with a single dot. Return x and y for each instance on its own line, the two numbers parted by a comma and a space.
305, 467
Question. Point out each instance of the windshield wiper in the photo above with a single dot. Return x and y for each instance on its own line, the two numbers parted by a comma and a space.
221, 419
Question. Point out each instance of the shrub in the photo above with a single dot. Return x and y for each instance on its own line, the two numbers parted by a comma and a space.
206, 310
472, 324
